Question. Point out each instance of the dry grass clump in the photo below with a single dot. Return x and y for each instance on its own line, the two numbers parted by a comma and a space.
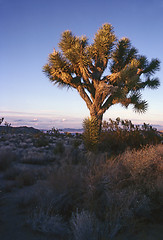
7, 157
38, 158
64, 178
35, 196
18, 178
44, 221
144, 166
67, 184
85, 226
59, 148
26, 178
11, 173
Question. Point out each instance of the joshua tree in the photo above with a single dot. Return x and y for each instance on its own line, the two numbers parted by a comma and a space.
83, 66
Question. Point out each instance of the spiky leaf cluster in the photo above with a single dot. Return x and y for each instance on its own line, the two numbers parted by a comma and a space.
82, 66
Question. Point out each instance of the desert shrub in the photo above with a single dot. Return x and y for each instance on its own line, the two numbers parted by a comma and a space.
41, 220
86, 226
118, 135
68, 134
102, 193
91, 134
9, 186
38, 158
59, 148
28, 201
26, 178
77, 157
2, 138
144, 167
11, 173
37, 195
54, 132
83, 226
74, 156
7, 157
68, 186
118, 193
40, 140
76, 143
78, 135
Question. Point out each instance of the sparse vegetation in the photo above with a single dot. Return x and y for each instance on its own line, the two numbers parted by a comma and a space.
86, 194
105, 194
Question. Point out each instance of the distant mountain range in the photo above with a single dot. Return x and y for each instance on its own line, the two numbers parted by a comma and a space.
159, 127
21, 130
31, 130
72, 130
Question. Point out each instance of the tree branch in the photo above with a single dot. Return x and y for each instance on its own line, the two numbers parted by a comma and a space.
84, 95
108, 103
111, 78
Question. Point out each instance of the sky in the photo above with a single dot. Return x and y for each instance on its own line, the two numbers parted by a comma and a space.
29, 32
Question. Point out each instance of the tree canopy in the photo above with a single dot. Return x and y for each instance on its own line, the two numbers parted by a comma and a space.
83, 66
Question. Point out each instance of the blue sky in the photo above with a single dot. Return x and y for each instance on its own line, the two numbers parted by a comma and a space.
29, 32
